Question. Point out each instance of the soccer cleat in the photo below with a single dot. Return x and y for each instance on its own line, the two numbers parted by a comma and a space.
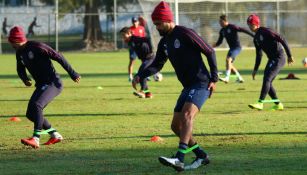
55, 138
278, 107
240, 80
172, 162
258, 106
33, 142
225, 80
197, 163
148, 95
139, 94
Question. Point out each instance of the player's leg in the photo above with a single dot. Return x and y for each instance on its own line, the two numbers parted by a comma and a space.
144, 85
39, 100
270, 72
132, 58
232, 56
188, 105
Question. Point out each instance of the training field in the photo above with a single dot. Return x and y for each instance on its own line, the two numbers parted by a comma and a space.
107, 130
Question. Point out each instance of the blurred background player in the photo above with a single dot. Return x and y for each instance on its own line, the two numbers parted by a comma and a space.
230, 32
35, 57
183, 47
31, 26
139, 31
271, 43
143, 49
4, 27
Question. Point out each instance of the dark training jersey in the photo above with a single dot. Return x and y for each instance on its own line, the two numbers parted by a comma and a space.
230, 32
271, 43
142, 47
35, 56
183, 47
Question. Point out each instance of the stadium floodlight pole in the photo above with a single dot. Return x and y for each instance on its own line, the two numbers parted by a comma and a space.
115, 24
56, 25
176, 13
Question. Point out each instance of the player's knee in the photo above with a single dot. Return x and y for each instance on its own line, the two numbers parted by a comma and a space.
187, 117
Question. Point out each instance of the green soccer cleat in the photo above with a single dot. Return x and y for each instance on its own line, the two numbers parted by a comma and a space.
258, 106
278, 107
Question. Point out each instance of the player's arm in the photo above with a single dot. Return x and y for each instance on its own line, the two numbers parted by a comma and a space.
199, 43
207, 50
62, 61
258, 59
155, 66
244, 30
220, 39
284, 43
21, 71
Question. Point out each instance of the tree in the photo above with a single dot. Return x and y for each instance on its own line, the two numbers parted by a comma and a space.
92, 36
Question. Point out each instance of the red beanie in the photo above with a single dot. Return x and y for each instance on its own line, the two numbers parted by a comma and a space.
253, 19
17, 35
162, 12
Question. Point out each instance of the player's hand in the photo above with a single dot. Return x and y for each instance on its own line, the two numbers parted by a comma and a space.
77, 80
290, 61
211, 88
28, 83
135, 81
254, 74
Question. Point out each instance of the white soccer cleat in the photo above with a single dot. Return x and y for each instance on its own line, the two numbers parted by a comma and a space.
172, 162
225, 80
197, 163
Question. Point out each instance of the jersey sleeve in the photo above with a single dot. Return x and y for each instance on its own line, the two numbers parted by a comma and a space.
221, 37
156, 65
284, 43
52, 54
206, 49
244, 30
21, 70
258, 56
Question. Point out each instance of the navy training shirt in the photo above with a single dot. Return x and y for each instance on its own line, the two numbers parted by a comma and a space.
35, 56
271, 43
230, 32
142, 47
183, 47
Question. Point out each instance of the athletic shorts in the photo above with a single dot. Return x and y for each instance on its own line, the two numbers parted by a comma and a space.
233, 53
132, 54
196, 94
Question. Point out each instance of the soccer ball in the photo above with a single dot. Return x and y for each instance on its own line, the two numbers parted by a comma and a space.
158, 76
304, 61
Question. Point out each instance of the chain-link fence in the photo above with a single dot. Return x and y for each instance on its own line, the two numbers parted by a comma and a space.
287, 17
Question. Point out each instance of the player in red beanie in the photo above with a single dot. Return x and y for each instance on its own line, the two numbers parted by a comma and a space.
183, 47
35, 57
270, 43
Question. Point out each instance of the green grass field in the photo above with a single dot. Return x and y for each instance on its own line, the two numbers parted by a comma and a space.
107, 131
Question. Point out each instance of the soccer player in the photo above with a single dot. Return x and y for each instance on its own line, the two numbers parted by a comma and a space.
31, 26
183, 47
137, 30
35, 57
271, 43
230, 32
143, 49
4, 26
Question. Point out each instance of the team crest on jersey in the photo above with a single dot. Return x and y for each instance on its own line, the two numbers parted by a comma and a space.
176, 43
228, 30
261, 38
30, 55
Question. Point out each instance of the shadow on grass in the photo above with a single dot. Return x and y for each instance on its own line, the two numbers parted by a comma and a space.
66, 158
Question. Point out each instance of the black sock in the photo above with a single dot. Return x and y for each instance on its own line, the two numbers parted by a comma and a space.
36, 133
180, 155
199, 152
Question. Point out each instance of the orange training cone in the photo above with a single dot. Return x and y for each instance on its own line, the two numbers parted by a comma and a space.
156, 139
15, 119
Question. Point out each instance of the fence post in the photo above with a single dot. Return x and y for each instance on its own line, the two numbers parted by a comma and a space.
176, 12
115, 24
277, 16
56, 25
